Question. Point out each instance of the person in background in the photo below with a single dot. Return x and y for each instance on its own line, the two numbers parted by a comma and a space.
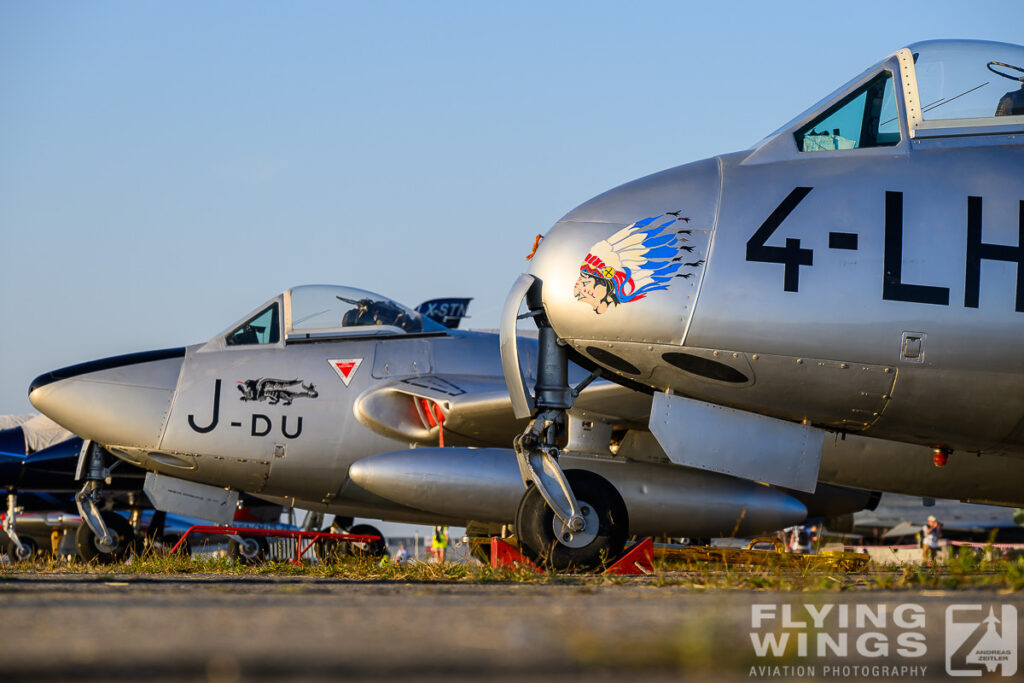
783, 537
401, 555
930, 535
799, 539
439, 543
814, 537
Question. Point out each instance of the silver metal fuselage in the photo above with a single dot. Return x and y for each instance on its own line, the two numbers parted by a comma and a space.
185, 415
886, 323
830, 352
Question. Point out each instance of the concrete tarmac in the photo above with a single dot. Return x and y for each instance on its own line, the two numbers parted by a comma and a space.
241, 628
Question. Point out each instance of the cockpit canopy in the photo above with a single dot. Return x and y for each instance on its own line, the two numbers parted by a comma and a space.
936, 88
968, 79
314, 312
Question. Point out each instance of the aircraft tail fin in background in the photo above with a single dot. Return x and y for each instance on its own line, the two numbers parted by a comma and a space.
448, 312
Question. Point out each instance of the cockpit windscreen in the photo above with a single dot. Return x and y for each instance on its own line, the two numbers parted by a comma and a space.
262, 328
319, 310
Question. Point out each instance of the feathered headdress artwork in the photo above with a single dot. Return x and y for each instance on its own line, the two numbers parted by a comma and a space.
641, 258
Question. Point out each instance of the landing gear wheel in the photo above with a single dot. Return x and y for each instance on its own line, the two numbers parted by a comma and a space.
601, 541
329, 551
252, 550
377, 548
28, 551
91, 548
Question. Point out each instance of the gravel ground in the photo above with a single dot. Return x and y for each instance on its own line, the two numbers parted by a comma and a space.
232, 628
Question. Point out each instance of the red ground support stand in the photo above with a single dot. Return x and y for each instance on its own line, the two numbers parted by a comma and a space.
299, 536
637, 560
504, 555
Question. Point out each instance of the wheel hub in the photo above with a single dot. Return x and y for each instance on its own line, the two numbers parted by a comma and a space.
248, 548
577, 538
105, 547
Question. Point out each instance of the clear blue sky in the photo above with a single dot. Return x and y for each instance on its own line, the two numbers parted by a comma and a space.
167, 166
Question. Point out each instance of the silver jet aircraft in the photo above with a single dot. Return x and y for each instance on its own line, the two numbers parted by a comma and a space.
841, 303
839, 306
284, 403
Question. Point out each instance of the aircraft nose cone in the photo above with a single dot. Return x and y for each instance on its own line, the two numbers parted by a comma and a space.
630, 262
607, 283
120, 401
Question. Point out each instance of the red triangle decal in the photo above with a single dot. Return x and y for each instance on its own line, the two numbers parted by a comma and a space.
345, 367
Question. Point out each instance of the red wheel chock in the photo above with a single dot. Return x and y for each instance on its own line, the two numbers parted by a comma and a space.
505, 555
639, 559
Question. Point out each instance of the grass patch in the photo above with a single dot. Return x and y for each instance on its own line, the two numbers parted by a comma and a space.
966, 569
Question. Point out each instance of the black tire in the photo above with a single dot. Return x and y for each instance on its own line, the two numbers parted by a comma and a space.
329, 551
378, 548
31, 549
534, 525
252, 550
125, 542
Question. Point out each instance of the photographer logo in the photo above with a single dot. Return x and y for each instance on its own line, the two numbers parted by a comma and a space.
980, 641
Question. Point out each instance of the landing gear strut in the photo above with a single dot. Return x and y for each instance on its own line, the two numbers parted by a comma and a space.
553, 525
104, 536
18, 549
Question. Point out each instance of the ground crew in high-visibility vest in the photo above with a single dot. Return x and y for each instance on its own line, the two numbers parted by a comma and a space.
439, 544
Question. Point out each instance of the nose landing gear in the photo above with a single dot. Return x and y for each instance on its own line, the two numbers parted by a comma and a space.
104, 536
570, 519
18, 549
